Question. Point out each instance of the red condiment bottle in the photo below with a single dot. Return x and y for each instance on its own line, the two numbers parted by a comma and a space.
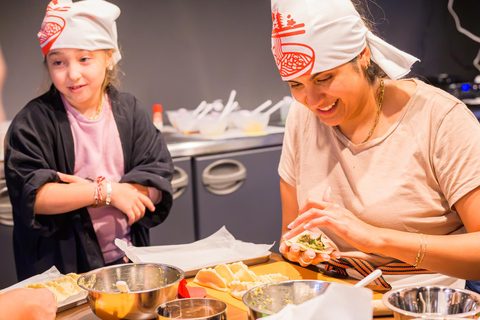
157, 116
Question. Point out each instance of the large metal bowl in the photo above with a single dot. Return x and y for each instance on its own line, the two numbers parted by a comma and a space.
194, 308
150, 285
268, 299
416, 302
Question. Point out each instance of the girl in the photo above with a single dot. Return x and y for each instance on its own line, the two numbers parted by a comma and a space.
84, 164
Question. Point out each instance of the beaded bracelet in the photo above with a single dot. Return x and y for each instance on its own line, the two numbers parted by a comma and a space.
109, 193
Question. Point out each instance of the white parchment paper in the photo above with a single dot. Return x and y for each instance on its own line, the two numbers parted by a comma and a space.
220, 247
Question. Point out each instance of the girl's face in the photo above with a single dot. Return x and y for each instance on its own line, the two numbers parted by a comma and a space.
79, 74
337, 96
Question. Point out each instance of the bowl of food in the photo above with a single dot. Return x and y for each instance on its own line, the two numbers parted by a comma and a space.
148, 285
212, 125
185, 122
251, 123
268, 299
193, 308
418, 302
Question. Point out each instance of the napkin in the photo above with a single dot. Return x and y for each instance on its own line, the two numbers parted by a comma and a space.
48, 275
220, 247
339, 301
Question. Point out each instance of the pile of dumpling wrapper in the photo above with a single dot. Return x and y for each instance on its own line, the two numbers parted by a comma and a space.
234, 277
62, 288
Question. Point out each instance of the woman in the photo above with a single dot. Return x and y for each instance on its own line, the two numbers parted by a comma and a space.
387, 168
84, 164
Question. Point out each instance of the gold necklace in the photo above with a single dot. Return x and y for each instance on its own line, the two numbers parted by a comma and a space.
97, 112
379, 108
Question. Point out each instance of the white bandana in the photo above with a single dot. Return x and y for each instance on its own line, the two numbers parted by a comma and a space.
311, 36
87, 24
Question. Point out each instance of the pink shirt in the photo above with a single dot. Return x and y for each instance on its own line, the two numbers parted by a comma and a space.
98, 152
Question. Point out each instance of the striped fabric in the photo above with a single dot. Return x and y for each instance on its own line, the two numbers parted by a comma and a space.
365, 268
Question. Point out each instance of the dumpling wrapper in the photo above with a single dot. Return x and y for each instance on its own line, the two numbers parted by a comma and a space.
62, 288
239, 288
208, 277
226, 273
329, 245
69, 284
240, 270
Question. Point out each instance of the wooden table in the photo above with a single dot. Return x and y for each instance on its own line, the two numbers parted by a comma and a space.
83, 312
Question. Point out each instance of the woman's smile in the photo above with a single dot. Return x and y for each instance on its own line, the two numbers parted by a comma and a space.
330, 107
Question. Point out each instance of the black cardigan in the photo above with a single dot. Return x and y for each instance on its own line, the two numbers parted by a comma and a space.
38, 144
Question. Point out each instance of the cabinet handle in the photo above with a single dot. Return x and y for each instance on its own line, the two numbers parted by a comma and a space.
224, 176
179, 182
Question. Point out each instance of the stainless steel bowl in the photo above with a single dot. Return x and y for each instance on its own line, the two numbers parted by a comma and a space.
268, 299
416, 302
150, 285
195, 308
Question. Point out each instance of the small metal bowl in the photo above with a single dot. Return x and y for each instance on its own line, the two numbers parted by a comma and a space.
417, 302
150, 285
194, 308
268, 299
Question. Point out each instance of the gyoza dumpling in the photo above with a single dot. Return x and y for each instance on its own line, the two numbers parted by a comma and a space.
210, 278
69, 284
226, 273
240, 270
319, 244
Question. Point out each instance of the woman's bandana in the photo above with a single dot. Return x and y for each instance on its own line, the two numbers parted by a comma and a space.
87, 24
311, 36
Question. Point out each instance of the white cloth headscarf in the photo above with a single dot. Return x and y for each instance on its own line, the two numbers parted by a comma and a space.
87, 24
311, 36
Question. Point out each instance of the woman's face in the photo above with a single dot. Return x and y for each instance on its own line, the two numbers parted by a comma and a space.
337, 96
78, 74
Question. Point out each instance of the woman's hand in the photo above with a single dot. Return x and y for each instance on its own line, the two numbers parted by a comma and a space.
343, 222
28, 304
305, 258
308, 257
130, 201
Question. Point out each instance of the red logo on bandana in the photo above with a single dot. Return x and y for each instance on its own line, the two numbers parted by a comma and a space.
293, 59
52, 26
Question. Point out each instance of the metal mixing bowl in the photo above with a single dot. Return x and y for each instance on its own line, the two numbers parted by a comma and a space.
195, 308
267, 299
150, 284
416, 302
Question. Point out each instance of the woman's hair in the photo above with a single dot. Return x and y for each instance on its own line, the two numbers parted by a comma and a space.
373, 71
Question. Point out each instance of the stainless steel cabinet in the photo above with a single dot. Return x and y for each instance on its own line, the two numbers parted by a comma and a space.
241, 191
179, 226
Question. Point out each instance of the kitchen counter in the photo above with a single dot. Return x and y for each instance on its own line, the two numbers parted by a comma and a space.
236, 310
194, 145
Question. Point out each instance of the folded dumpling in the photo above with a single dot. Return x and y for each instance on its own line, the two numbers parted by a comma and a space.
318, 243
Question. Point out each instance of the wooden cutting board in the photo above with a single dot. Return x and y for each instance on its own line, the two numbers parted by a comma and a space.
294, 272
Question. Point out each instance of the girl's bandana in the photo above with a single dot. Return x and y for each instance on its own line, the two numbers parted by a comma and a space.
87, 24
